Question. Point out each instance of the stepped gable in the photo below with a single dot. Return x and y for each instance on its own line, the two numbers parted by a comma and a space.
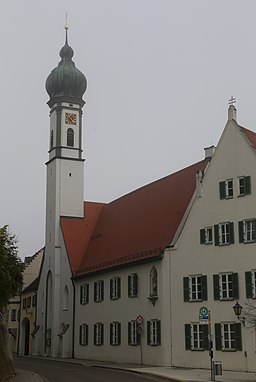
135, 227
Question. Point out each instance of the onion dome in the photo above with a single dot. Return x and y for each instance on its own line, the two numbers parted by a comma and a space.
66, 82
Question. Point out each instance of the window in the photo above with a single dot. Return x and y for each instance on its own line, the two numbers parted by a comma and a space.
51, 140
133, 336
225, 286
24, 303
70, 137
65, 298
153, 282
99, 334
224, 233
244, 185
196, 337
115, 333
226, 189
247, 231
195, 288
250, 284
34, 298
228, 336
83, 335
29, 302
99, 291
13, 315
154, 332
133, 285
84, 294
115, 288
206, 236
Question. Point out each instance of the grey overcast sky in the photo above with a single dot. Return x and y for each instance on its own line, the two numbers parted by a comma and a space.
159, 72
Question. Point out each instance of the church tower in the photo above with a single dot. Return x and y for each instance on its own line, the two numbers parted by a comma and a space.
65, 86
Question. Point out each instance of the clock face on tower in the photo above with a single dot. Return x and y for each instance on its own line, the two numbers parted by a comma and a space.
70, 118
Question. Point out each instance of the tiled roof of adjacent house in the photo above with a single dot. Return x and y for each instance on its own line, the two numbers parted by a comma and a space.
136, 227
250, 135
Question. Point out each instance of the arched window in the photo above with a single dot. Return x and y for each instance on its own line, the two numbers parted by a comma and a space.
51, 140
65, 297
70, 137
153, 282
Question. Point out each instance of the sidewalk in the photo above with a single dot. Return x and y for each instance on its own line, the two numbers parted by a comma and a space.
171, 373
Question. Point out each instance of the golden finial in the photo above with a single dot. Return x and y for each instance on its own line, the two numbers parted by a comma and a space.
66, 24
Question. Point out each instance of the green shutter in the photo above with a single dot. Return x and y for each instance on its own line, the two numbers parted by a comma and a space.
129, 285
186, 289
135, 286
241, 231
94, 333
187, 337
222, 188
204, 288
119, 333
81, 293
119, 287
158, 329
111, 333
247, 180
218, 342
102, 334
95, 290
248, 284
235, 286
216, 234
231, 233
216, 287
148, 332
87, 334
111, 289
87, 293
102, 290
238, 335
202, 236
205, 337
129, 332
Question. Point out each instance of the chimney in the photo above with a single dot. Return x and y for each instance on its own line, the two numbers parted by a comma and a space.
209, 151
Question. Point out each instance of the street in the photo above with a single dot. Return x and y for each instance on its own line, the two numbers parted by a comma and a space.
67, 372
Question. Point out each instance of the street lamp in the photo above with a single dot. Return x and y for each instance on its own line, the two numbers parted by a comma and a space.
238, 310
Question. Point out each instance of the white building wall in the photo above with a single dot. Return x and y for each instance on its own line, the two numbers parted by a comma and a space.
124, 310
233, 158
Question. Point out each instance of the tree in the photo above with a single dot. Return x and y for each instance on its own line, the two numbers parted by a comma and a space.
11, 268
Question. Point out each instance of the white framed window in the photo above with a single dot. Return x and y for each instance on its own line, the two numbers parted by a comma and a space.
250, 283
83, 335
99, 291
197, 333
133, 285
84, 294
226, 286
226, 189
196, 287
154, 332
115, 333
115, 288
247, 231
133, 336
206, 235
224, 233
244, 185
99, 334
229, 338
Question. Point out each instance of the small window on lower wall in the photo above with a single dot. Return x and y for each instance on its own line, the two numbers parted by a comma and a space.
83, 334
196, 336
98, 334
228, 336
115, 333
154, 332
133, 335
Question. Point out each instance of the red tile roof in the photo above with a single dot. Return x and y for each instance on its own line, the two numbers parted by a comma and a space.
250, 135
135, 227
